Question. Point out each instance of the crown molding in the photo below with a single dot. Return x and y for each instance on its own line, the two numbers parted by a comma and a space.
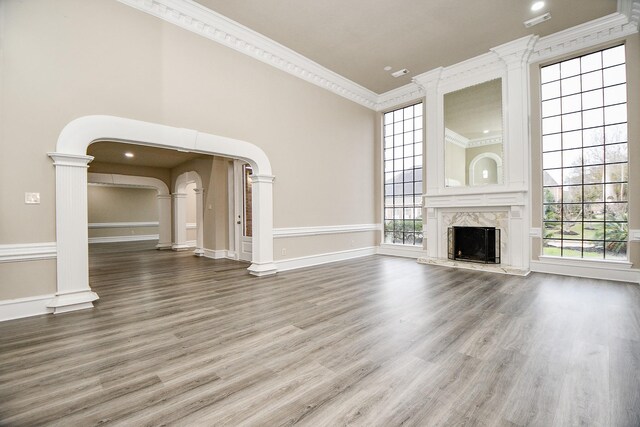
200, 20
463, 142
407, 93
598, 31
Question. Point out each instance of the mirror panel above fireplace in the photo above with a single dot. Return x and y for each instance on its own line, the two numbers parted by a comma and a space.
473, 135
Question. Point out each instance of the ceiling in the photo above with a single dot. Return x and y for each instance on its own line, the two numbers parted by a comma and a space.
113, 152
475, 109
358, 38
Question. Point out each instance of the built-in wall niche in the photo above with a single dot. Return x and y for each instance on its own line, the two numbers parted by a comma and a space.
473, 135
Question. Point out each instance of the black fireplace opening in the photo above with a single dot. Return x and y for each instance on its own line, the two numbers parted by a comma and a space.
474, 244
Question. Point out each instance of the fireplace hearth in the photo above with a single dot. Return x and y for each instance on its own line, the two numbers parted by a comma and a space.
474, 244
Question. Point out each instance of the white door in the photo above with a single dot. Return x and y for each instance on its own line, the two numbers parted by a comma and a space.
243, 223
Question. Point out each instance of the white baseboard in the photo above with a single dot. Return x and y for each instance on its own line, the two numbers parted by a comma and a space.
402, 251
215, 254
308, 261
118, 239
25, 307
618, 271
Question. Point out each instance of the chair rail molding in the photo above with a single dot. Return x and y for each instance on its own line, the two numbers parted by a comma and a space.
28, 252
327, 229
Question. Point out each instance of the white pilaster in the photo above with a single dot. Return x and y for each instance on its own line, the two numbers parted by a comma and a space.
73, 291
179, 222
433, 169
262, 216
516, 55
199, 251
164, 221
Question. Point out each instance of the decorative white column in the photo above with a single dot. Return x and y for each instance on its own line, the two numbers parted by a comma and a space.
72, 236
164, 221
179, 222
199, 251
516, 55
433, 151
262, 217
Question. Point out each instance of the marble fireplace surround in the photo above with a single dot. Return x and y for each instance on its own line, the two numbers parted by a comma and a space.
502, 210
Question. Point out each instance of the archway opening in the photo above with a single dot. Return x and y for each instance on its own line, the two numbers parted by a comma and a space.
71, 162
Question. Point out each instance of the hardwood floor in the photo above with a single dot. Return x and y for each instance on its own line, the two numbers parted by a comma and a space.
176, 339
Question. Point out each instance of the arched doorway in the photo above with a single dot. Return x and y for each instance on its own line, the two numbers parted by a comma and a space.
71, 162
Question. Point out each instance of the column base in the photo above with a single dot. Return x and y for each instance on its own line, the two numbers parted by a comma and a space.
199, 252
261, 270
163, 246
73, 301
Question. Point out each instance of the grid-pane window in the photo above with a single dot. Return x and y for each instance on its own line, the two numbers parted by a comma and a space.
584, 156
403, 176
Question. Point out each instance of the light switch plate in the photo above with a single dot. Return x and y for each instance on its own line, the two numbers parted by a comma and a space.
32, 198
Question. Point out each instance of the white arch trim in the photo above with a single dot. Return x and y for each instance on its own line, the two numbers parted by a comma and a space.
476, 159
71, 163
78, 134
116, 180
164, 198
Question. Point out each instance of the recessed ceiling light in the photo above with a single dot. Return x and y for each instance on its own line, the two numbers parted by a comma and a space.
537, 6
128, 154
387, 68
485, 131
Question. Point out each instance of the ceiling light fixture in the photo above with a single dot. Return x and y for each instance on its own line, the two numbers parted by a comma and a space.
536, 6
485, 131
128, 154
537, 20
387, 68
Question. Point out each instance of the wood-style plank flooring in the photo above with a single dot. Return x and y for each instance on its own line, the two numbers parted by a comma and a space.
377, 341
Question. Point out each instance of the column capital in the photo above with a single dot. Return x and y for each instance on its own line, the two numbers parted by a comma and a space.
198, 190
73, 160
262, 179
517, 52
179, 195
163, 196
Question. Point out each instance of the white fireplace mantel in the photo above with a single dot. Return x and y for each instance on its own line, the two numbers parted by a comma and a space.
505, 206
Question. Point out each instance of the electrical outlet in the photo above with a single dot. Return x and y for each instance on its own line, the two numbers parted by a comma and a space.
32, 198
284, 251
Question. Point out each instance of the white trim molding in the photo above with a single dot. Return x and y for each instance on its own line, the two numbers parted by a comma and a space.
218, 254
620, 271
127, 238
403, 251
28, 252
311, 260
94, 225
115, 180
25, 307
209, 24
327, 229
205, 22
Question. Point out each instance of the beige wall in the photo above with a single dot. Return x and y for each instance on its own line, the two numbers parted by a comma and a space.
65, 59
121, 204
633, 107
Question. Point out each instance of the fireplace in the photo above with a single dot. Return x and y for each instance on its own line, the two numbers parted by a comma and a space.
474, 244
